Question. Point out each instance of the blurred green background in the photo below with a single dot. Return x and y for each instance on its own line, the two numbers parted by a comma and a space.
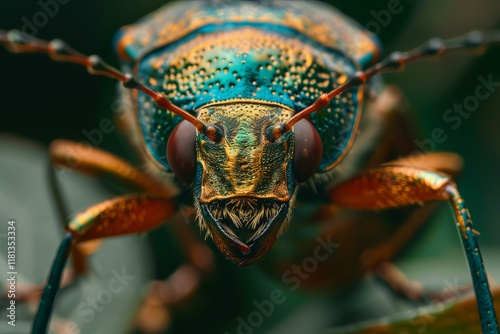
43, 100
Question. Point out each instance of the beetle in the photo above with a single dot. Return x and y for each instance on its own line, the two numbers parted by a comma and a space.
271, 154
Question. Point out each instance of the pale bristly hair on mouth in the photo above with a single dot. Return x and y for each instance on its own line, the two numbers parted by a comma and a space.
253, 213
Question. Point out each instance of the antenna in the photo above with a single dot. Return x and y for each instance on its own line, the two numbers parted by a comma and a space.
17, 42
396, 61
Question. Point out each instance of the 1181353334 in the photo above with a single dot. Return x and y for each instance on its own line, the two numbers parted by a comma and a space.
281, 174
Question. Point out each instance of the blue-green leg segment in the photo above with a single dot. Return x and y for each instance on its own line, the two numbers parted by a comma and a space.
408, 182
42, 317
487, 314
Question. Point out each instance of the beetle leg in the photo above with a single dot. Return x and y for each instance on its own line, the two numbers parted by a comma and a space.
119, 216
122, 215
396, 185
395, 137
182, 283
374, 238
98, 163
397, 280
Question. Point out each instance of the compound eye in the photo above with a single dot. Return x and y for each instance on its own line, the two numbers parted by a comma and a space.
308, 150
181, 151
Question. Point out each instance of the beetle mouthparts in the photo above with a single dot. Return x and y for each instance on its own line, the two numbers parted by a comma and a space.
244, 218
244, 229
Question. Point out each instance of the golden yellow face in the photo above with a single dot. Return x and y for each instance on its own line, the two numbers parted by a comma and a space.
244, 183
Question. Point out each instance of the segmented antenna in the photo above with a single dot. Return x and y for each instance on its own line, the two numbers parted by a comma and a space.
17, 42
435, 48
396, 61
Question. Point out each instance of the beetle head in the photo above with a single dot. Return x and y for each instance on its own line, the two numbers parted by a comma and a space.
246, 172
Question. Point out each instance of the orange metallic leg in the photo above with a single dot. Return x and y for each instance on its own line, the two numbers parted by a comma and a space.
399, 184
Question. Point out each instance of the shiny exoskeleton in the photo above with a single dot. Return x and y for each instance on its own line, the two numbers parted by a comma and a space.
245, 67
252, 111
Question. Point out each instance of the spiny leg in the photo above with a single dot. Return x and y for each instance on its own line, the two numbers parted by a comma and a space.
394, 134
119, 216
396, 141
373, 239
78, 255
447, 163
128, 214
476, 265
31, 293
49, 293
392, 185
98, 163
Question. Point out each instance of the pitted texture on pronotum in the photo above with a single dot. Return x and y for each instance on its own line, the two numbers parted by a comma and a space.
321, 23
249, 64
246, 68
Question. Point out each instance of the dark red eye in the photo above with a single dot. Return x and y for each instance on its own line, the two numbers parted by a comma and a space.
308, 150
181, 151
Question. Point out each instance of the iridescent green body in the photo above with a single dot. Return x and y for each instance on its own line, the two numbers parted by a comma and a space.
282, 52
243, 67
267, 85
